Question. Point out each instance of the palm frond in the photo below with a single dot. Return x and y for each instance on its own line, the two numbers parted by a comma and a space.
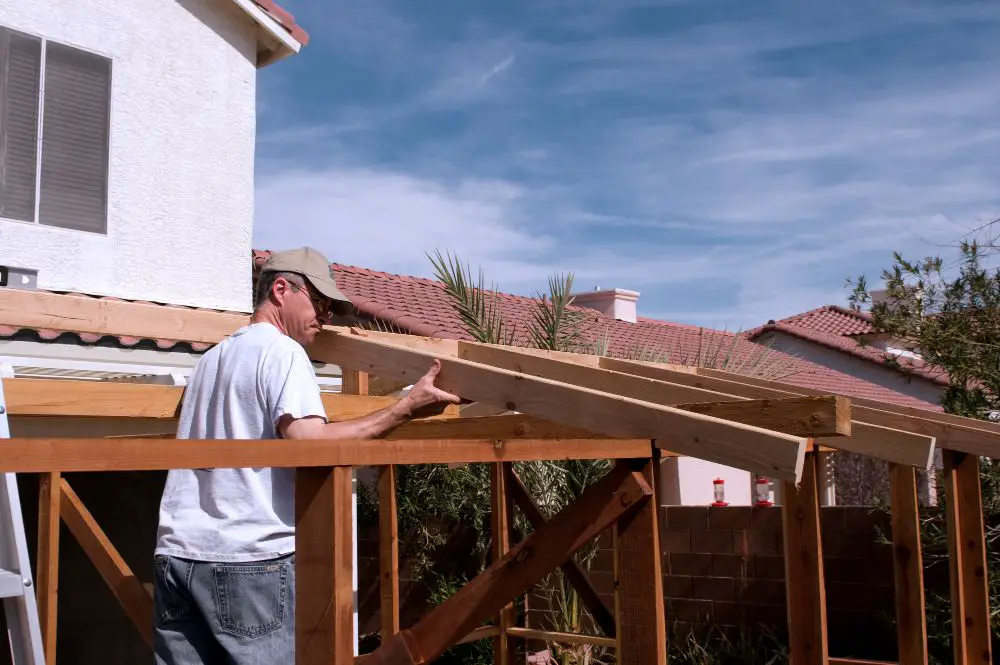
477, 307
554, 326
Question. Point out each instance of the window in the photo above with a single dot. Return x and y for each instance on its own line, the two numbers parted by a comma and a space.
55, 103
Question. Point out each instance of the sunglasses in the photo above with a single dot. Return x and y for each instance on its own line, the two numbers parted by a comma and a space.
323, 305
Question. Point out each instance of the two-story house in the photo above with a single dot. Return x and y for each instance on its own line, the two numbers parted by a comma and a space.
127, 134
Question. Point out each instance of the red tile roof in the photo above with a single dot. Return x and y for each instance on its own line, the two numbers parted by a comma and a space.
836, 328
284, 19
421, 306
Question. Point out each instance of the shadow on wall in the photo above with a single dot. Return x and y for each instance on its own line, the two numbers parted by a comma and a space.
228, 21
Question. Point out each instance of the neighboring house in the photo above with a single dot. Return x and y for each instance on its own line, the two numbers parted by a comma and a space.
842, 340
127, 130
421, 306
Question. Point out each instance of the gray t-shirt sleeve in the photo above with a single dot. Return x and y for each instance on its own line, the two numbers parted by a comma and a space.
289, 383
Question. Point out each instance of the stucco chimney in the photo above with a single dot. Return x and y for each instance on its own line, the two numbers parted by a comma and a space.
615, 303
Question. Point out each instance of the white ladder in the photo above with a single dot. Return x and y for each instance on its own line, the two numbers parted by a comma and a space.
17, 589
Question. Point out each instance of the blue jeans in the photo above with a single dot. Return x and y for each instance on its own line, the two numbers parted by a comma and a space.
225, 613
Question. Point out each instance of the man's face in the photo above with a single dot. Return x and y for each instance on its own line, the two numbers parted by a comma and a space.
304, 311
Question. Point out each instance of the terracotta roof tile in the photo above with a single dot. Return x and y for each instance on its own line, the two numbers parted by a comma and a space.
835, 328
421, 306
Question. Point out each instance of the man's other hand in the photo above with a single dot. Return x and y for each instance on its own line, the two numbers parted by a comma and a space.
425, 393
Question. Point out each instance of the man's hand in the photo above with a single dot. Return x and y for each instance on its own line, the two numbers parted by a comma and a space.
422, 398
425, 393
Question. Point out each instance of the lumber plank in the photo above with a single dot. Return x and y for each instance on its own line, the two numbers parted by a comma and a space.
826, 416
907, 566
970, 603
802, 417
91, 399
893, 442
619, 493
324, 559
603, 617
642, 636
74, 313
804, 581
388, 547
139, 454
734, 444
560, 637
138, 604
511, 426
47, 565
955, 433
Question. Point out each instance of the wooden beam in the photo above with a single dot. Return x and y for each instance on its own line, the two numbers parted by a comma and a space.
798, 416
388, 551
73, 313
804, 583
713, 439
870, 435
358, 383
603, 617
500, 519
826, 416
513, 426
970, 602
138, 604
617, 494
47, 565
138, 454
907, 566
952, 433
324, 559
642, 633
560, 638
57, 397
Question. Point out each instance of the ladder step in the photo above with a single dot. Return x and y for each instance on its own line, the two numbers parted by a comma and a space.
11, 584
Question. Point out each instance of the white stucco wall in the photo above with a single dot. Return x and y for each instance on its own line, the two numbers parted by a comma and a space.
180, 189
687, 481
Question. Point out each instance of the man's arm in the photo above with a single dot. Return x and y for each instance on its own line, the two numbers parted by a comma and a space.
424, 393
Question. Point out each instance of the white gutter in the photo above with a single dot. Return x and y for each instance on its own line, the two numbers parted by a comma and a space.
288, 44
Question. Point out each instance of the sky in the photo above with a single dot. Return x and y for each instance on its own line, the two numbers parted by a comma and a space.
733, 162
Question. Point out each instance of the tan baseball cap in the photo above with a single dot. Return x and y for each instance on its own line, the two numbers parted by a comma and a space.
315, 267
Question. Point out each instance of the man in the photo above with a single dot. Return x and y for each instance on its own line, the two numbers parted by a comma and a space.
224, 573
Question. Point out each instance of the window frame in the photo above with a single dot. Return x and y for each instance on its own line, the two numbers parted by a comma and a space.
40, 139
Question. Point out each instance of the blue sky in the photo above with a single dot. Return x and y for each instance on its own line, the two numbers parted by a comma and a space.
731, 161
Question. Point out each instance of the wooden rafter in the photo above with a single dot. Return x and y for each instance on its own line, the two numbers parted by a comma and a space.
743, 446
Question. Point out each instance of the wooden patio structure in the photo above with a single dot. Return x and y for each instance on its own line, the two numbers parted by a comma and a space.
569, 407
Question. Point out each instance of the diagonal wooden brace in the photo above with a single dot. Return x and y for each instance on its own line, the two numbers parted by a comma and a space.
602, 615
616, 495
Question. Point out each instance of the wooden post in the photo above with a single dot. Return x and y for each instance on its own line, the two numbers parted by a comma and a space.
500, 523
388, 551
324, 559
641, 632
970, 604
907, 565
804, 584
354, 382
47, 575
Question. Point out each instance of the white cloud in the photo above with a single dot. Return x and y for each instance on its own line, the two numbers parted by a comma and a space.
689, 164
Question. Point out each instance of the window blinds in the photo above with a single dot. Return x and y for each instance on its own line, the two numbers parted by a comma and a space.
75, 132
20, 71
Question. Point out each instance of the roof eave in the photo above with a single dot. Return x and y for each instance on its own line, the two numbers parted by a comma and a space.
278, 41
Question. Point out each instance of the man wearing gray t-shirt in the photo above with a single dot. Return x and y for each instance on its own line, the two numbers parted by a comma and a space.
224, 574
